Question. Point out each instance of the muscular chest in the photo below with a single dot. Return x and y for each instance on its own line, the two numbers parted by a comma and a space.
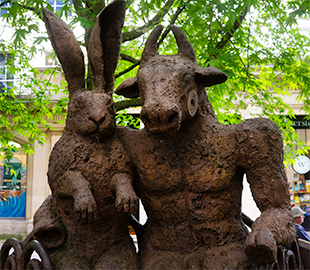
197, 168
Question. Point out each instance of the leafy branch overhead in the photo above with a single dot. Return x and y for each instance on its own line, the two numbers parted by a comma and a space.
257, 44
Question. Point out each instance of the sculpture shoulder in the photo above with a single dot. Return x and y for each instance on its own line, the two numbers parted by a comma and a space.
67, 145
258, 130
129, 136
259, 140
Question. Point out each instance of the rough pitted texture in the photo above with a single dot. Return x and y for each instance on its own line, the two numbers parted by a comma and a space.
90, 172
190, 170
103, 229
191, 186
187, 169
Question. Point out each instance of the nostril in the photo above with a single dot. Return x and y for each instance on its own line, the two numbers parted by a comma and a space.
101, 120
172, 117
92, 120
97, 122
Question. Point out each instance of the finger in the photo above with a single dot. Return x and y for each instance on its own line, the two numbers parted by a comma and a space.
133, 206
118, 205
94, 211
126, 205
77, 215
250, 240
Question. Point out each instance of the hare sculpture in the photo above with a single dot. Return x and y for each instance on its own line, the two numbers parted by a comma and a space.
90, 173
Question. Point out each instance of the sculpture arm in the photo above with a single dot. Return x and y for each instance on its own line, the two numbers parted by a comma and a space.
76, 186
275, 225
263, 163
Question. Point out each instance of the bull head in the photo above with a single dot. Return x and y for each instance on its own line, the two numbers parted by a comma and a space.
171, 87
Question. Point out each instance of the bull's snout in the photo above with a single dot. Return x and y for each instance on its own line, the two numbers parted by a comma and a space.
161, 119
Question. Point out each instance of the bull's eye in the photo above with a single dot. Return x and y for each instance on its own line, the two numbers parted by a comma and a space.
192, 103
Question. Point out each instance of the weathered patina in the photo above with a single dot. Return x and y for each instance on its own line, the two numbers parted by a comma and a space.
186, 167
191, 169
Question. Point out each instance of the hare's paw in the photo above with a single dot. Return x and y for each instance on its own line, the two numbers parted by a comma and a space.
85, 207
260, 246
126, 200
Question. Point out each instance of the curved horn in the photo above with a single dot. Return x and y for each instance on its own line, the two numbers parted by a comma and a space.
150, 48
185, 48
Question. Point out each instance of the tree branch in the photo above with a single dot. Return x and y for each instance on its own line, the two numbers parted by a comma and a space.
124, 104
164, 35
5, 2
143, 29
174, 18
227, 37
39, 13
78, 8
127, 70
128, 58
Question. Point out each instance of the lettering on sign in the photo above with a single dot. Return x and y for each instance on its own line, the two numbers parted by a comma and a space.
300, 122
301, 164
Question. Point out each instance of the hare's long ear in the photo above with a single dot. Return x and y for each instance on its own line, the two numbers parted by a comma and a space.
105, 43
67, 49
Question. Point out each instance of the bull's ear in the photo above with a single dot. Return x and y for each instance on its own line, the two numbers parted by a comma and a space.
209, 76
128, 88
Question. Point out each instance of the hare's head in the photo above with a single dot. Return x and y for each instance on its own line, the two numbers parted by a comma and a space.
90, 113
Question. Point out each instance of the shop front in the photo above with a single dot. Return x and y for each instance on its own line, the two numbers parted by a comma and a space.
299, 173
13, 183
24, 186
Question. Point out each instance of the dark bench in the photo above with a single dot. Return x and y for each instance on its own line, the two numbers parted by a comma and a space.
304, 250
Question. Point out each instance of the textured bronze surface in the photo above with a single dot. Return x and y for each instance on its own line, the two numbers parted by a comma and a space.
190, 170
90, 173
186, 167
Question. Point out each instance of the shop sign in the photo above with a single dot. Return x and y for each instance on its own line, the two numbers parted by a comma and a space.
12, 190
8, 185
301, 164
7, 170
300, 122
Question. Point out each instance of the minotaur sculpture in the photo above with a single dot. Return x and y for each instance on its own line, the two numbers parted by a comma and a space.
186, 167
191, 169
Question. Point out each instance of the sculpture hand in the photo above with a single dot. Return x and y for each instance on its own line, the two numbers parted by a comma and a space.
84, 207
260, 246
126, 200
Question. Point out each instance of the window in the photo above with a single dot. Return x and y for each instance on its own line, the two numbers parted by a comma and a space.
50, 59
57, 5
6, 79
3, 9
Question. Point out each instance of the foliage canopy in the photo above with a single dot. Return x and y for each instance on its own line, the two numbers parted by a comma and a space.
257, 43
